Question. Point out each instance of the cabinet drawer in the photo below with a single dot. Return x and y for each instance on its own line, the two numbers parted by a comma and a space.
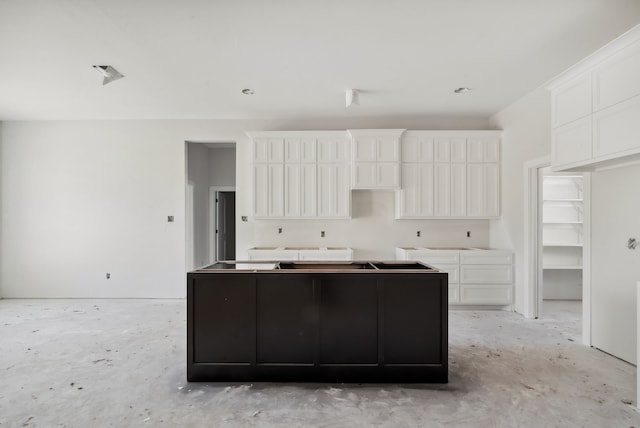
486, 294
329, 255
272, 255
486, 274
485, 257
437, 258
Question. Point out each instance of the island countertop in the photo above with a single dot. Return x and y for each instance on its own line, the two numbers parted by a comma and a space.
318, 266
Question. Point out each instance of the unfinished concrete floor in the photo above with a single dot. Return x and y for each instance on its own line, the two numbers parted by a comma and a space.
121, 363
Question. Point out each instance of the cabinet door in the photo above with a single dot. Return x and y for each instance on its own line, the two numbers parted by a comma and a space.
441, 150
458, 150
617, 129
276, 190
260, 190
388, 175
291, 150
292, 191
617, 79
572, 142
458, 189
416, 197
260, 150
483, 190
571, 101
365, 149
416, 149
388, 149
333, 190
308, 190
483, 150
308, 151
285, 331
275, 150
442, 190
364, 175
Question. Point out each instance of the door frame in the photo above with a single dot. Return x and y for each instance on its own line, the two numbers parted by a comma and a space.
533, 245
213, 256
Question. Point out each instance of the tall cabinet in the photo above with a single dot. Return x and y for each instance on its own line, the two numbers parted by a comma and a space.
562, 235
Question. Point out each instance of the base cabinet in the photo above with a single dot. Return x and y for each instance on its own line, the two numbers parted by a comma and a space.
476, 276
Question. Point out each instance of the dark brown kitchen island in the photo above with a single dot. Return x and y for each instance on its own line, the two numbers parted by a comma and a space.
319, 322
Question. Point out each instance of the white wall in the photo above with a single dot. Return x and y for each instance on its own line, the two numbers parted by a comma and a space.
82, 198
615, 217
222, 167
198, 177
526, 137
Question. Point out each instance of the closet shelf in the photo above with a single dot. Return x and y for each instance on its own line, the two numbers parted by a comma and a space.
562, 244
567, 267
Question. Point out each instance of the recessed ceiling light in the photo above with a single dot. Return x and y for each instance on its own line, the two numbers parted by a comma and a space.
248, 91
461, 90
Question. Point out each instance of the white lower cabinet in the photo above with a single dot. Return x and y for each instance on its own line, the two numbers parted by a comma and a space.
476, 276
293, 254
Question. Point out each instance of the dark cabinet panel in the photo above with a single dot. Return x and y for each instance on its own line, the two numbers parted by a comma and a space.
224, 319
348, 320
412, 332
286, 319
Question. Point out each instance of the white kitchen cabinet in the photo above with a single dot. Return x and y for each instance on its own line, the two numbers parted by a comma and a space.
286, 174
334, 195
376, 158
449, 155
294, 254
416, 197
595, 108
483, 190
476, 276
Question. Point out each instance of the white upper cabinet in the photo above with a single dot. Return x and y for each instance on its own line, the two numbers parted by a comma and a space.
376, 157
286, 174
596, 108
450, 174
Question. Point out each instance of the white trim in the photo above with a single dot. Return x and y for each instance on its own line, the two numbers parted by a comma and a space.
532, 237
213, 256
586, 259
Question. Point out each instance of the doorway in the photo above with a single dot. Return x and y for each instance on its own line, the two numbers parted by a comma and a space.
557, 248
222, 223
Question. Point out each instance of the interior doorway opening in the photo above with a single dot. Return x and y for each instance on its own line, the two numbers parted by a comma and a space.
210, 169
557, 261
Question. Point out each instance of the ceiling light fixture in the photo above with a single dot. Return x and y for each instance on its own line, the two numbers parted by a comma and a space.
462, 90
248, 91
352, 97
109, 73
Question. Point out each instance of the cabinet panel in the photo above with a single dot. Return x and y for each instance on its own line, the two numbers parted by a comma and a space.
454, 294
458, 189
617, 129
571, 101
486, 257
364, 175
260, 190
292, 150
441, 150
442, 189
275, 150
292, 190
276, 190
308, 152
572, 142
483, 150
458, 150
492, 150
348, 309
285, 330
492, 190
333, 190
332, 150
388, 175
308, 190
364, 149
617, 79
404, 315
388, 149
260, 150
410, 196
416, 149
475, 190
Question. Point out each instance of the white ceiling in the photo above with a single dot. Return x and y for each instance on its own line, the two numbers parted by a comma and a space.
191, 59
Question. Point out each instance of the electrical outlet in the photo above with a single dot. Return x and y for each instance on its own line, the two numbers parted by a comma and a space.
170, 219
322, 233
279, 230
468, 234
418, 234
108, 275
